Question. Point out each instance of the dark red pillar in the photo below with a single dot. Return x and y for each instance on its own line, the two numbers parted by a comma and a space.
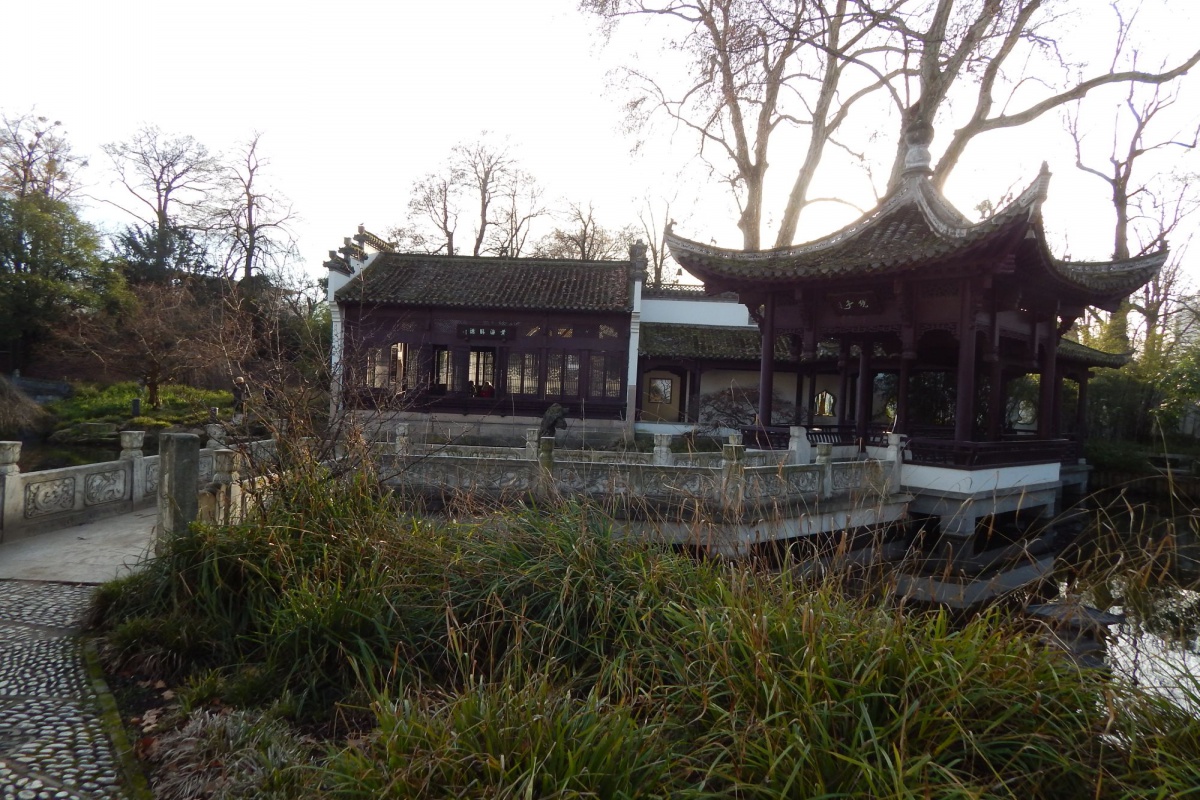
1081, 409
996, 405
902, 395
866, 385
964, 407
1048, 383
766, 372
843, 397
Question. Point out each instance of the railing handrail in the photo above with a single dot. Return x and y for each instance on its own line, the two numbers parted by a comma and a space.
969, 455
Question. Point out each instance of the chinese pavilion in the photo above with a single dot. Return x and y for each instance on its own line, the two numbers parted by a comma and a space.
916, 296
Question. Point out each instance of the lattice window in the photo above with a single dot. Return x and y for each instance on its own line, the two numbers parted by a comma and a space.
562, 375
443, 373
605, 376
523, 371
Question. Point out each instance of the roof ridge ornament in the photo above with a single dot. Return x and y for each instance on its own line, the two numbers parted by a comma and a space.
917, 160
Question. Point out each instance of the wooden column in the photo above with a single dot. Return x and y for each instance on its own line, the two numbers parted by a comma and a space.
1048, 381
766, 371
866, 385
812, 395
693, 402
996, 402
964, 407
902, 394
1081, 408
843, 381
801, 397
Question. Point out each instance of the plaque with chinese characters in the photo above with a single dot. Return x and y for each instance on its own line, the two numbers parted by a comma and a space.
855, 302
486, 331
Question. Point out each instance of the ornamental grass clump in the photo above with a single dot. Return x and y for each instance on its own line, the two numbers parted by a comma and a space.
332, 586
536, 652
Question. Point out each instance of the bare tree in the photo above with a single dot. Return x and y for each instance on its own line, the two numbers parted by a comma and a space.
35, 158
762, 66
953, 41
164, 333
433, 203
1148, 210
653, 225
518, 204
171, 179
484, 169
482, 181
757, 66
251, 220
583, 237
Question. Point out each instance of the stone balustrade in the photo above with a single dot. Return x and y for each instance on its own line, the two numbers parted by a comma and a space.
56, 498
730, 492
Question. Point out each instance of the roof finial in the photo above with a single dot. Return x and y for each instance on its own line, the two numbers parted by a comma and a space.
917, 136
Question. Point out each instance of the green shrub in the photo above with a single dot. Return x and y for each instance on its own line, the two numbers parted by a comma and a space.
1117, 455
535, 653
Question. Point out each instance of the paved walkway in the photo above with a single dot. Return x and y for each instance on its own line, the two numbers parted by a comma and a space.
53, 743
93, 552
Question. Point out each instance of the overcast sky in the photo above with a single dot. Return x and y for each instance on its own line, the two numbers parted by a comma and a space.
357, 99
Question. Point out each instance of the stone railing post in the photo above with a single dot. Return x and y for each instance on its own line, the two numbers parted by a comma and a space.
733, 478
531, 443
131, 451
12, 504
895, 455
662, 449
225, 475
403, 442
178, 479
545, 467
216, 435
798, 445
825, 459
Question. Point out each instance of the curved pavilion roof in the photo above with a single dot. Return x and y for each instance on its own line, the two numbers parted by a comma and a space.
913, 230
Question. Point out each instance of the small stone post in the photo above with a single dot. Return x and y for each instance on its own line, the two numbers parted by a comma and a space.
531, 443
403, 443
798, 445
131, 450
11, 501
662, 449
224, 476
733, 478
178, 484
825, 459
216, 435
545, 468
895, 455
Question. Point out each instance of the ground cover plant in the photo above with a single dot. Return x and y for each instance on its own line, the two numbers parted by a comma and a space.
537, 653
178, 404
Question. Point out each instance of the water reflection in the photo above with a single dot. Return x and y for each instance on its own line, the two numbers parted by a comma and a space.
1144, 565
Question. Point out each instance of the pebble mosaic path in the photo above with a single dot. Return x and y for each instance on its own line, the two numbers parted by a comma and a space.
52, 742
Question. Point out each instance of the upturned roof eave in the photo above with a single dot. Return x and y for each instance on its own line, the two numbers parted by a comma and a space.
800, 262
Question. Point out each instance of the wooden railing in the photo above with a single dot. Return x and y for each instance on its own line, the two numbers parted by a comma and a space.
776, 437
847, 435
972, 455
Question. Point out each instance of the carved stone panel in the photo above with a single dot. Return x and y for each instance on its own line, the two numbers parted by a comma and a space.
49, 497
104, 487
152, 478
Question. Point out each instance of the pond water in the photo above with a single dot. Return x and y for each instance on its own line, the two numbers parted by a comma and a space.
1145, 566
39, 455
